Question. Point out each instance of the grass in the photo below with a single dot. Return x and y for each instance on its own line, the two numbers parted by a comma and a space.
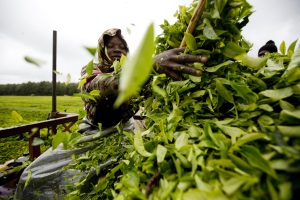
35, 108
32, 109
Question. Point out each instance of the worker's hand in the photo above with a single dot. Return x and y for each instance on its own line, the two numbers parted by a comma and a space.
174, 64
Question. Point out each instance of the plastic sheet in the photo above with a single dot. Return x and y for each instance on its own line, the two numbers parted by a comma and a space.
48, 179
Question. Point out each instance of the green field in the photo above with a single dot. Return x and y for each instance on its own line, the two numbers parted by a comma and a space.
35, 108
31, 109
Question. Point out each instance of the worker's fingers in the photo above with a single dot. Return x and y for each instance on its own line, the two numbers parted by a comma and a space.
177, 50
186, 69
186, 58
173, 74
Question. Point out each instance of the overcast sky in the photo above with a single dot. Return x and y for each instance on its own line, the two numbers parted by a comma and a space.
26, 29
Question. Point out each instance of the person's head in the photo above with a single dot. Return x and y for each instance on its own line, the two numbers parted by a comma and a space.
111, 47
269, 47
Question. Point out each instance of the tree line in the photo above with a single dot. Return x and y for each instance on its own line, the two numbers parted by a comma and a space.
43, 88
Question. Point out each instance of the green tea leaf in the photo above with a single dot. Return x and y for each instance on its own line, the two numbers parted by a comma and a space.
233, 132
292, 117
195, 79
128, 30
271, 190
60, 137
245, 92
233, 184
219, 6
95, 92
223, 92
290, 131
208, 132
249, 138
292, 46
34, 61
139, 145
81, 83
137, 68
194, 131
156, 88
37, 141
166, 188
209, 31
90, 68
294, 63
68, 80
265, 120
266, 107
295, 60
16, 116
285, 190
161, 153
278, 93
251, 62
293, 75
242, 164
85, 95
255, 159
190, 41
57, 72
123, 60
131, 179
231, 50
285, 105
198, 93
261, 85
101, 185
282, 47
215, 68
196, 194
116, 65
91, 50
201, 185
28, 178
181, 141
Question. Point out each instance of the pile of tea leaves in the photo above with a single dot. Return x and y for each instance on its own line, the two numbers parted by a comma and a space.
232, 133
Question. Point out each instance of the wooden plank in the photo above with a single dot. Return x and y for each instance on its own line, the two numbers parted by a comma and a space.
10, 131
35, 151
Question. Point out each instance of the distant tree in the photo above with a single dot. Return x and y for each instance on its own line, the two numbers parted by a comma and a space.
60, 88
32, 88
11, 89
22, 89
43, 88
71, 89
